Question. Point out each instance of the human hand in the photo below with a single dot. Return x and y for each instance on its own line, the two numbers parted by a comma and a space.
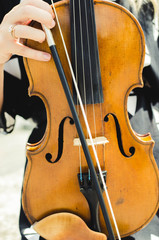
15, 26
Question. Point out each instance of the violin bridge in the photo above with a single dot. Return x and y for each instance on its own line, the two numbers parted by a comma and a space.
96, 141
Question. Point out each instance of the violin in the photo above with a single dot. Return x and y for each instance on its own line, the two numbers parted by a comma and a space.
106, 45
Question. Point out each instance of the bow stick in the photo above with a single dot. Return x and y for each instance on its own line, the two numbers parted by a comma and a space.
61, 73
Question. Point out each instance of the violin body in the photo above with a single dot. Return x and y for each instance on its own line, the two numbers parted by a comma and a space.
51, 184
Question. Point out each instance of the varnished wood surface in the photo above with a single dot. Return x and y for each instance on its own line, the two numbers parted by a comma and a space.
61, 226
132, 182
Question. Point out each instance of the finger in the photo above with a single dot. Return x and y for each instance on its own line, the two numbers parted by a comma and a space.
28, 32
22, 50
40, 4
25, 13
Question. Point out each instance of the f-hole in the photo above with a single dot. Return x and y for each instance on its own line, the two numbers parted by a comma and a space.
118, 131
48, 156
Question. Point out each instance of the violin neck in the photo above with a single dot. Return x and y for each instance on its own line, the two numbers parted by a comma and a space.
85, 56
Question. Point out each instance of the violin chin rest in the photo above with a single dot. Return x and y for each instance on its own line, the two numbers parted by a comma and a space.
62, 226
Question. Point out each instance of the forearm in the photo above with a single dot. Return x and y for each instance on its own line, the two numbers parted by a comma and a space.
1, 85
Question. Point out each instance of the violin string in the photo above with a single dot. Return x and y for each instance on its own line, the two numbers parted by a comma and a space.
86, 123
83, 60
83, 71
91, 79
99, 93
75, 49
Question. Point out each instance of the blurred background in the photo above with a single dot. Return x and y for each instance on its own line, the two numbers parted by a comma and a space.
12, 161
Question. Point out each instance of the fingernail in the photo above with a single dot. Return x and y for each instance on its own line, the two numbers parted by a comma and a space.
46, 56
52, 24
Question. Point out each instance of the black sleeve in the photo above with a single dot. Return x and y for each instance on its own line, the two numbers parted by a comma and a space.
17, 101
6, 121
